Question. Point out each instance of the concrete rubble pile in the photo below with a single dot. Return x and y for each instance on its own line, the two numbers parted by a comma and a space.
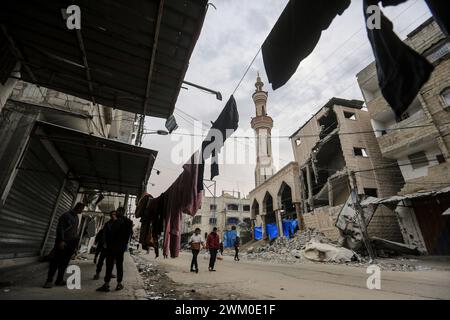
310, 245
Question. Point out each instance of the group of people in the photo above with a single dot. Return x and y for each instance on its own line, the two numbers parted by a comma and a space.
112, 242
213, 244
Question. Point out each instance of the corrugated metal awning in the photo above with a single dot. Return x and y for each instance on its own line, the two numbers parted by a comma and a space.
376, 201
99, 163
129, 55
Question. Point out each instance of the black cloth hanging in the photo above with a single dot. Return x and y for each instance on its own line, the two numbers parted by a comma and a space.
441, 13
401, 70
226, 124
296, 34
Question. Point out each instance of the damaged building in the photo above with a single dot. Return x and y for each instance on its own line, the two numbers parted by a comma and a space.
336, 142
419, 143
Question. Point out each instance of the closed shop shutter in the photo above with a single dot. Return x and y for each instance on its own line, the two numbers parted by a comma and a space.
64, 205
26, 214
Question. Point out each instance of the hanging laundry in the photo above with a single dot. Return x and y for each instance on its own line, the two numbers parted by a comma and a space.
296, 34
441, 13
164, 214
438, 8
401, 70
181, 197
225, 124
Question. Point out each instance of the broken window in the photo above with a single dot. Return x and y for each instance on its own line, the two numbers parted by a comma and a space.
328, 122
440, 158
349, 115
360, 152
418, 160
371, 192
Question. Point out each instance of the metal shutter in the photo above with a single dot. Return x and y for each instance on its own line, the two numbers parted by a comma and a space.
64, 205
25, 217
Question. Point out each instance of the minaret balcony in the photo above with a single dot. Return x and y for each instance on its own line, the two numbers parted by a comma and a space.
262, 122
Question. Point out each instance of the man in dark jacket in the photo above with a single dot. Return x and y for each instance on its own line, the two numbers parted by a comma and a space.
213, 244
100, 250
65, 245
117, 235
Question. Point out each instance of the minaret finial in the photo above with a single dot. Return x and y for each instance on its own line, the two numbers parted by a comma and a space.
259, 84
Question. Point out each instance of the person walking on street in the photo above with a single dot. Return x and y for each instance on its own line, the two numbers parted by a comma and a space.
100, 250
196, 242
213, 244
237, 243
117, 235
66, 243
221, 248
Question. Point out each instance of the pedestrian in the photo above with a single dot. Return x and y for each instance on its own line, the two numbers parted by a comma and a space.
117, 235
237, 243
213, 245
221, 248
196, 242
66, 244
101, 250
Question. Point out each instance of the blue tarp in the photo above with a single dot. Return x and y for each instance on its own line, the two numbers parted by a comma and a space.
228, 238
289, 226
258, 233
272, 230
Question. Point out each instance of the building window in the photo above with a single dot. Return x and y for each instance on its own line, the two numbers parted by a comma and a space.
371, 192
445, 95
213, 207
197, 220
298, 141
246, 207
349, 115
213, 221
440, 158
418, 160
360, 152
232, 220
438, 52
233, 207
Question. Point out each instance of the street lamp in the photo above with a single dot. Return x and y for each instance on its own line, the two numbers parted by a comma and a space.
158, 132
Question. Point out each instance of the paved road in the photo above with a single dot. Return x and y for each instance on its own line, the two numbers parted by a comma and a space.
261, 280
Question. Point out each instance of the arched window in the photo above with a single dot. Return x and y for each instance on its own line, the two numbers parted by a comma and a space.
445, 94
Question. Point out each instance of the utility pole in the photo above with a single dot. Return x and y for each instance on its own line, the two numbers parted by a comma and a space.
360, 215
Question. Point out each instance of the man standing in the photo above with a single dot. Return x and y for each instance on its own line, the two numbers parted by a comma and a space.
196, 242
213, 244
237, 243
66, 243
100, 241
117, 236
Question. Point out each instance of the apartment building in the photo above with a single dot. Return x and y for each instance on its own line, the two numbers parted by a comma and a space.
223, 212
419, 142
336, 143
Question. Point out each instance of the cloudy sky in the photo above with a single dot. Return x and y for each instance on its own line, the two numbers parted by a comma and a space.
229, 40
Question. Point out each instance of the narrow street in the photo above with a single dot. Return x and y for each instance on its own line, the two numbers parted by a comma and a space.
261, 280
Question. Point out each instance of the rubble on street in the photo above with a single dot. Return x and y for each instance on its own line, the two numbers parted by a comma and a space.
298, 249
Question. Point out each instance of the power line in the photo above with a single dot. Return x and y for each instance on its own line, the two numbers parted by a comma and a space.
321, 135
